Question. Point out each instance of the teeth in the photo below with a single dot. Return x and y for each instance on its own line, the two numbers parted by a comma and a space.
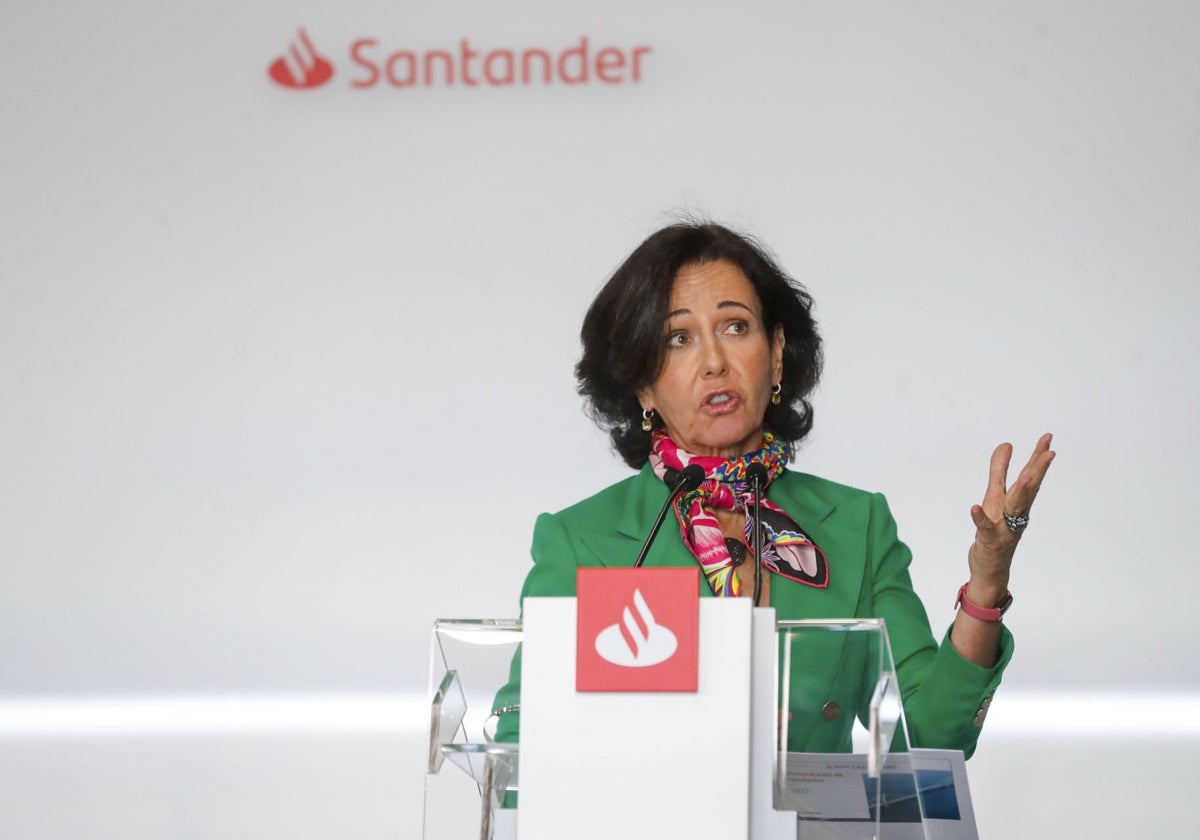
719, 398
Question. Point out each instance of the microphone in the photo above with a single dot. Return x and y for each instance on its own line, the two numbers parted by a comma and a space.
680, 481
758, 477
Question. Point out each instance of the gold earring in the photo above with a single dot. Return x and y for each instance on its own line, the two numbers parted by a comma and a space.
647, 419
775, 391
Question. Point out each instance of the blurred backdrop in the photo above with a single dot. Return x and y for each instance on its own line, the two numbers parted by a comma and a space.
289, 305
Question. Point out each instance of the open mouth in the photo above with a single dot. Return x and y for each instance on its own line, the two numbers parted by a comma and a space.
721, 403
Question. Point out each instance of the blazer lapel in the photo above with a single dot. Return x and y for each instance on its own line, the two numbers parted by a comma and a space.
822, 666
632, 524
839, 529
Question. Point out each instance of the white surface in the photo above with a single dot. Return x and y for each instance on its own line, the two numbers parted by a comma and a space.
647, 749
765, 822
255, 343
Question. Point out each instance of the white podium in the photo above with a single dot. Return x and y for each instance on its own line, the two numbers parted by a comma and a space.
706, 764
644, 750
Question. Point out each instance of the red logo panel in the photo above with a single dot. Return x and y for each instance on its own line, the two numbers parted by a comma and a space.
637, 630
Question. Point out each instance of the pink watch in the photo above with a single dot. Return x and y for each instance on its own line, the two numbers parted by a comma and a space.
983, 613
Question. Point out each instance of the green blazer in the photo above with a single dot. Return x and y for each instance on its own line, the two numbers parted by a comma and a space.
945, 696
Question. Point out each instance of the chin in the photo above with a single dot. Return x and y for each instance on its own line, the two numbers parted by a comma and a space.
733, 445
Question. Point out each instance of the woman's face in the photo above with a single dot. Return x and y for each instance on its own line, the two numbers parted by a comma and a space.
721, 364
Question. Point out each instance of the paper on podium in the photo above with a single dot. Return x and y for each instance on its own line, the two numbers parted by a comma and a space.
836, 800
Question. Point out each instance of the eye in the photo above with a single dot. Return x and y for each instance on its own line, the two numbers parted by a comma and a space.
738, 327
678, 338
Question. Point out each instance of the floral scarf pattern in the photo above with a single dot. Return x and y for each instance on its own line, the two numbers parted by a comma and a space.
786, 549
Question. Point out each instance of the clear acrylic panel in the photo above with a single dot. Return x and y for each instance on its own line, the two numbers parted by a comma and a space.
446, 714
469, 778
840, 721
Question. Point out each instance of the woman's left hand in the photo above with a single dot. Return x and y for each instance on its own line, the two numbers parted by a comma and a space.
996, 536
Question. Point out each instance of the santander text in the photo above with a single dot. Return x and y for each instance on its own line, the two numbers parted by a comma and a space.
574, 65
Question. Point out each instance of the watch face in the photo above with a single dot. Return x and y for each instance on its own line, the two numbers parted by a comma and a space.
1005, 603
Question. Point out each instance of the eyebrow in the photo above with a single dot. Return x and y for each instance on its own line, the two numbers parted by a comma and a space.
725, 304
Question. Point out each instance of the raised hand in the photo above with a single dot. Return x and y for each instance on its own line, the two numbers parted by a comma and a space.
999, 523
1002, 517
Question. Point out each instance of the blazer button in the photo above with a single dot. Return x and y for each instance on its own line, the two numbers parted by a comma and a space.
830, 711
981, 715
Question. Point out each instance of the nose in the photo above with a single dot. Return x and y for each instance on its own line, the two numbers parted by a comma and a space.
714, 357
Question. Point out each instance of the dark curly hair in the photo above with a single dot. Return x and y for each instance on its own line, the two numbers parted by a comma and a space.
623, 332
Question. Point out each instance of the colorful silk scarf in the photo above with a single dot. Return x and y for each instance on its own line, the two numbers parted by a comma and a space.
786, 551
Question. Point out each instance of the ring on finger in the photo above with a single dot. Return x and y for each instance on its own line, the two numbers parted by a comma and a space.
1016, 522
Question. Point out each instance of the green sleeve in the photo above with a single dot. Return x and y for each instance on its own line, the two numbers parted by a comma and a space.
945, 696
553, 574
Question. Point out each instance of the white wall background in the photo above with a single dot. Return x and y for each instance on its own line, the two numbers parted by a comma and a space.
280, 368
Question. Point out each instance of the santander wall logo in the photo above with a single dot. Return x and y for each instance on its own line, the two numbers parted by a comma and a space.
370, 63
301, 66
637, 629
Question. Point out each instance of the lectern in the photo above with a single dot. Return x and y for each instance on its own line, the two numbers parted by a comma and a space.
725, 761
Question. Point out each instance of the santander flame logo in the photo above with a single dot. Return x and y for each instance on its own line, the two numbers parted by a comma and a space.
301, 66
638, 640
637, 653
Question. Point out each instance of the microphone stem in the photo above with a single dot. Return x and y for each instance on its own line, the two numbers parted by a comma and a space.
662, 514
757, 540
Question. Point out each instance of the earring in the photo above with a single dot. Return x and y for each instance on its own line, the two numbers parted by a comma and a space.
775, 391
647, 419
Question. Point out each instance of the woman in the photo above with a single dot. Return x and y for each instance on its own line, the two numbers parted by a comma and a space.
701, 350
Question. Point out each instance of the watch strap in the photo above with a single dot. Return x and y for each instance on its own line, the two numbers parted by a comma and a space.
972, 609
